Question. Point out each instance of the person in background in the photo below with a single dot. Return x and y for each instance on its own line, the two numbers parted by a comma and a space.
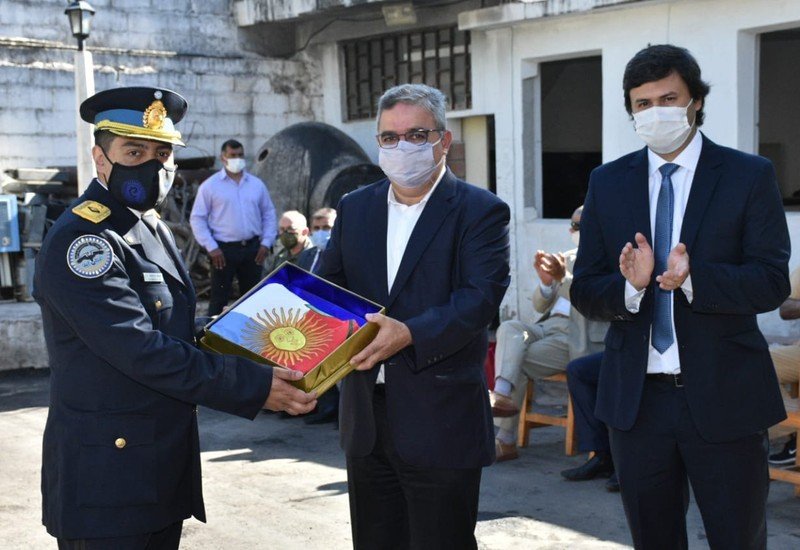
121, 451
787, 365
321, 225
293, 235
592, 434
233, 219
528, 351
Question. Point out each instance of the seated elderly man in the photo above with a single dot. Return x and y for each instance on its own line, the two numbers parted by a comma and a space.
787, 365
293, 235
542, 349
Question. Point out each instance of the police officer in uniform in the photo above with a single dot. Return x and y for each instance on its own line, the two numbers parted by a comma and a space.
121, 463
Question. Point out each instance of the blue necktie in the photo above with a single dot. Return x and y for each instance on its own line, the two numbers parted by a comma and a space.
662, 243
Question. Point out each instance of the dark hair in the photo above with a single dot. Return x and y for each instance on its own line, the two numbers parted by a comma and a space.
103, 139
657, 62
231, 144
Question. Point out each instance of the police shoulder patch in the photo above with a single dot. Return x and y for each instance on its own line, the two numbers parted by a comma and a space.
90, 256
92, 211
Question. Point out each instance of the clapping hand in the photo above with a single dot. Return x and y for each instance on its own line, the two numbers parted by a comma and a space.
677, 268
636, 264
549, 267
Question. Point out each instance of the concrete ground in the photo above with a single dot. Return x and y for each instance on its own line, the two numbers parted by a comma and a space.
277, 483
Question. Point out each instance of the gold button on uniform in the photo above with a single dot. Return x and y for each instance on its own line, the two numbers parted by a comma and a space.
158, 304
120, 443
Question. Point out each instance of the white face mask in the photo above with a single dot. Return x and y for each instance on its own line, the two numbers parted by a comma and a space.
663, 129
408, 165
235, 165
576, 237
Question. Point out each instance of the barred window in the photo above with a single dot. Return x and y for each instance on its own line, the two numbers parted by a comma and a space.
436, 57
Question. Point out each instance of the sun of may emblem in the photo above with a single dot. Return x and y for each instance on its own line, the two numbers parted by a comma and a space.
287, 337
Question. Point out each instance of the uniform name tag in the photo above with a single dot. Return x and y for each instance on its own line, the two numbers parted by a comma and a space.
153, 277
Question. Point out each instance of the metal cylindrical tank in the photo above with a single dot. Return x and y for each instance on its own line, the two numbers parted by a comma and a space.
310, 165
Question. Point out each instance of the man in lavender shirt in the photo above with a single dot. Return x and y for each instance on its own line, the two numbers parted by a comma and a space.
233, 218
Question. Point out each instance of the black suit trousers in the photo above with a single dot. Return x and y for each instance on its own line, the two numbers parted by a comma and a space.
168, 538
240, 262
663, 452
397, 506
582, 376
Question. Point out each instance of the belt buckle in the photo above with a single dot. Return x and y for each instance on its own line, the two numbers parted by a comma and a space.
678, 380
243, 243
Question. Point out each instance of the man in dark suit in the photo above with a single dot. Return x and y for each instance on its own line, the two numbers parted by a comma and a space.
121, 454
415, 420
686, 386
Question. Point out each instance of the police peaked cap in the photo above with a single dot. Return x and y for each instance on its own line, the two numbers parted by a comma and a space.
137, 112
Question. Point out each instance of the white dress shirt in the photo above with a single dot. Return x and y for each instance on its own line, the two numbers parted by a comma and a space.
668, 362
400, 224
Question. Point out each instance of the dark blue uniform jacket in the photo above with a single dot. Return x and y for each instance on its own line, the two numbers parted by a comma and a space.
121, 449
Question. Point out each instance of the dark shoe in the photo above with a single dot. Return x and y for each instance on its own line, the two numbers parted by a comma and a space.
505, 451
502, 406
788, 455
599, 465
612, 485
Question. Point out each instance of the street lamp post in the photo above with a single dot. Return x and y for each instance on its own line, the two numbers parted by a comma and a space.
80, 16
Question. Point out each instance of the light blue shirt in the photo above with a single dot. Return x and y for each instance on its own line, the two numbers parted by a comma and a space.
227, 211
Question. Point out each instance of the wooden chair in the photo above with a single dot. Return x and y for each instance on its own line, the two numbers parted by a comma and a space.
790, 475
529, 420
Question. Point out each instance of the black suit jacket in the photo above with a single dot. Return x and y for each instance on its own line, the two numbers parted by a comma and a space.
735, 231
124, 367
450, 283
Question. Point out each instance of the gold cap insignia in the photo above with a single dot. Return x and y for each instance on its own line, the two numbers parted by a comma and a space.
92, 211
154, 116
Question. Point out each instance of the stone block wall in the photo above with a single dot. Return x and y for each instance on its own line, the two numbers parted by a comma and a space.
190, 46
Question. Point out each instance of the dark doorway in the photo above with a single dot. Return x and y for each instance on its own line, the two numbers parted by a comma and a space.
572, 116
779, 111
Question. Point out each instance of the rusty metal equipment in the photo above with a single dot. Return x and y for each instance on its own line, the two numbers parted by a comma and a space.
44, 193
309, 165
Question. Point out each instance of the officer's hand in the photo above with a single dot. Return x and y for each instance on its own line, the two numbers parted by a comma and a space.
261, 254
392, 336
285, 397
217, 258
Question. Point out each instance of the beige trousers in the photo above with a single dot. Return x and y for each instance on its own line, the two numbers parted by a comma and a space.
787, 367
526, 352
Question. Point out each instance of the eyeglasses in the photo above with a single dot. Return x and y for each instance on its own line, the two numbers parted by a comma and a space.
575, 226
389, 140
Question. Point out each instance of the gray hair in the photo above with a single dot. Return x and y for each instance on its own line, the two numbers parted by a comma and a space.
428, 98
298, 220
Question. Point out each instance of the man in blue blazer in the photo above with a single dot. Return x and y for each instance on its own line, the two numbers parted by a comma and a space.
121, 453
687, 386
415, 420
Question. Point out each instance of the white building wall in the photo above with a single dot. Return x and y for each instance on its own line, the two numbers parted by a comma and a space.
190, 46
720, 33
